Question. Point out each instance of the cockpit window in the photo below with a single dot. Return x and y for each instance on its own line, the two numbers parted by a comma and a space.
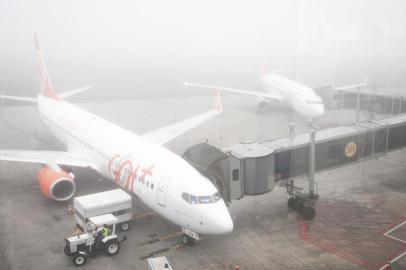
185, 196
205, 199
216, 197
193, 199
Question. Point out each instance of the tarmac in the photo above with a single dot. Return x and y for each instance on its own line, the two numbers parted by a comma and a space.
360, 221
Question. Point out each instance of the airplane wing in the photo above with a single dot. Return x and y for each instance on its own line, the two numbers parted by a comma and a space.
166, 134
234, 90
348, 87
73, 92
48, 157
34, 100
27, 99
352, 86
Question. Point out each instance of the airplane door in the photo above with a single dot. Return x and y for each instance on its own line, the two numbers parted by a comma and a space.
162, 188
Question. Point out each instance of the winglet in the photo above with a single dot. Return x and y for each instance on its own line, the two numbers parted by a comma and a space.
46, 85
218, 105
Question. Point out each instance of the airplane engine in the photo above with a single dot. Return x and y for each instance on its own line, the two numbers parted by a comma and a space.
262, 104
57, 185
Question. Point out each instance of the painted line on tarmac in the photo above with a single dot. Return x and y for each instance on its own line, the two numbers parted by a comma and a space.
395, 228
149, 214
385, 266
398, 257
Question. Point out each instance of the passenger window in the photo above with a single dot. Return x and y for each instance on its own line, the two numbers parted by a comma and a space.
193, 199
205, 199
185, 197
152, 185
236, 174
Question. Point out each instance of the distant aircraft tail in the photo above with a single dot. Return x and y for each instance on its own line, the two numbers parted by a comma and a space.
45, 83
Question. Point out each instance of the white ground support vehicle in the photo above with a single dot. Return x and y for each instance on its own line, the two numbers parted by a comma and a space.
92, 242
116, 202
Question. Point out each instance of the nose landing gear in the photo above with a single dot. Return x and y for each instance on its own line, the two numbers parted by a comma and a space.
188, 237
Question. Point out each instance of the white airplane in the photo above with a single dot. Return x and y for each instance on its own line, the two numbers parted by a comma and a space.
299, 97
164, 181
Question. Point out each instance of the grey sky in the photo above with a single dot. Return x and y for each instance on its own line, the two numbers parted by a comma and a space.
151, 46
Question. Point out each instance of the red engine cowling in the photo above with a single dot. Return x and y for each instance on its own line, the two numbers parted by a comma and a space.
56, 185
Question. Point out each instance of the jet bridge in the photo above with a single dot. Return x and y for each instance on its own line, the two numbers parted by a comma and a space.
365, 100
252, 168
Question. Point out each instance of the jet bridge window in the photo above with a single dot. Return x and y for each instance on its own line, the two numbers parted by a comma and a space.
236, 174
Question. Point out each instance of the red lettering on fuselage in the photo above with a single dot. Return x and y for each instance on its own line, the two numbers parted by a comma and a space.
146, 172
124, 173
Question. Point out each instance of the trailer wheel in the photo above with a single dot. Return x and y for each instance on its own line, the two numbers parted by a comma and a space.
125, 226
112, 247
79, 259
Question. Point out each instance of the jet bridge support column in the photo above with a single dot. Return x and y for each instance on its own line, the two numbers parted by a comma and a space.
291, 130
358, 104
291, 184
312, 159
303, 202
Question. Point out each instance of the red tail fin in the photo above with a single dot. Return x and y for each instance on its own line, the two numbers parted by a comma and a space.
46, 85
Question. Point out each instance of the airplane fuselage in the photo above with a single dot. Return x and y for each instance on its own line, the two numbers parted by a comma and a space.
161, 179
299, 97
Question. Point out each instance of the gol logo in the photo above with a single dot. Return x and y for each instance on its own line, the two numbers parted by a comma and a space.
350, 149
125, 172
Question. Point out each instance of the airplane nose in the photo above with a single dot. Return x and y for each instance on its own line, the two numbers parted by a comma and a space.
321, 109
221, 224
228, 225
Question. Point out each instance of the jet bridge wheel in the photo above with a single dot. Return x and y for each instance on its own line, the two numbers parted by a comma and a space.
298, 205
292, 203
308, 213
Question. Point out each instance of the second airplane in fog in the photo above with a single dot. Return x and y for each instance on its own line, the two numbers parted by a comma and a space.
299, 97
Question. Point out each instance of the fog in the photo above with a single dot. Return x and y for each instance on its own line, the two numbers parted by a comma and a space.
134, 49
